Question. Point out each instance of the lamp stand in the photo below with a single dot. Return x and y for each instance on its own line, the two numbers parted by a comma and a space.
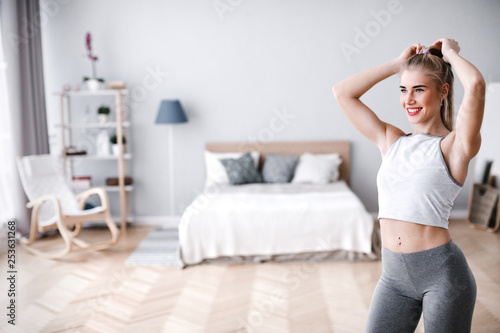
171, 168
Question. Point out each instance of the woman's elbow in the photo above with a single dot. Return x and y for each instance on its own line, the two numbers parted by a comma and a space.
337, 91
477, 86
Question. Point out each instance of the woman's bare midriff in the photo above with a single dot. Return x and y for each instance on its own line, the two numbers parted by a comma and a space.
407, 237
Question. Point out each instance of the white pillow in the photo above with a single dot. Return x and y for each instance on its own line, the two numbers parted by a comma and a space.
317, 168
216, 172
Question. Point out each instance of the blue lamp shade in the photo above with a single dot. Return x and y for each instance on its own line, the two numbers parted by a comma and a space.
171, 112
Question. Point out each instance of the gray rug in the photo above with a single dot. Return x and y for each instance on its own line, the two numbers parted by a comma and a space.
158, 248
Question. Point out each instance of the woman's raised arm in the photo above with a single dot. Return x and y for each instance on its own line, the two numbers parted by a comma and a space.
470, 115
349, 91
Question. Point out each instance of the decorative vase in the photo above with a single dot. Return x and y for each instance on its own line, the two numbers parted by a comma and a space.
93, 84
102, 143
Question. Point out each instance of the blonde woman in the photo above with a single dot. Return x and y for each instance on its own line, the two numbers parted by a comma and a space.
419, 178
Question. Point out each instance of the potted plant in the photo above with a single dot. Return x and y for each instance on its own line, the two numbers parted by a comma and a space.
93, 83
114, 144
103, 113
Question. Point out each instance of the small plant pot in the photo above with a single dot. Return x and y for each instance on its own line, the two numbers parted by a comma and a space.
116, 149
103, 118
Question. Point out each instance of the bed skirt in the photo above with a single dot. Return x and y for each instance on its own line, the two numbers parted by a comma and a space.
312, 257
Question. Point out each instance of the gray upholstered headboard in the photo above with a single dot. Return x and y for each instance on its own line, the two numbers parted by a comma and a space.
290, 148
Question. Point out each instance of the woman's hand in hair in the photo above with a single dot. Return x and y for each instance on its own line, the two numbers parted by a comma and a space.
411, 51
447, 45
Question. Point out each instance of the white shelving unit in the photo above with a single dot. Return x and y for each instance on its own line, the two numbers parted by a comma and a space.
121, 124
113, 124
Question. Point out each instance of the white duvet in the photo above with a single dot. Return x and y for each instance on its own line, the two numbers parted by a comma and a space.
269, 219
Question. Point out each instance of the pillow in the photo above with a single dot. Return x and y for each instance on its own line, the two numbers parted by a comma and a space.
279, 168
241, 170
215, 171
317, 168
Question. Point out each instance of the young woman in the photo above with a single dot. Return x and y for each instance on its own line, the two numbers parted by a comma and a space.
420, 176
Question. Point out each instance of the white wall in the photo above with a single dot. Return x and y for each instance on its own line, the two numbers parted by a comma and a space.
232, 67
491, 135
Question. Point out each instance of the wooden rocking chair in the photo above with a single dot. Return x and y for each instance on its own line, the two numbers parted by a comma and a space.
56, 208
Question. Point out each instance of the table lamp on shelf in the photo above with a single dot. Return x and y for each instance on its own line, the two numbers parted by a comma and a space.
171, 113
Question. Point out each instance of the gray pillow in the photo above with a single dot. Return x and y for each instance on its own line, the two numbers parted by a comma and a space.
279, 168
241, 170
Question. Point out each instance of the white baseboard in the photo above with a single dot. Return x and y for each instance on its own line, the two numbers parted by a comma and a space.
161, 221
458, 214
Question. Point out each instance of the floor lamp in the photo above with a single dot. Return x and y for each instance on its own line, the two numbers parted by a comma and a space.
171, 113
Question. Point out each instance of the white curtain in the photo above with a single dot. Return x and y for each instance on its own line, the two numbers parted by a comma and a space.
8, 172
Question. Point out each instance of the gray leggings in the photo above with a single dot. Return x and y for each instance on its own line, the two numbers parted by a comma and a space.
437, 281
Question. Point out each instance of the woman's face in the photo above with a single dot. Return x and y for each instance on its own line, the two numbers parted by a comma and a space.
420, 97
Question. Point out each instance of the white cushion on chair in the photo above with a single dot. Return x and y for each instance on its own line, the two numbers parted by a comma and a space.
40, 165
41, 176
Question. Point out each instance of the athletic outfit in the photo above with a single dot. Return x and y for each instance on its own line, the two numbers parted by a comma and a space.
416, 186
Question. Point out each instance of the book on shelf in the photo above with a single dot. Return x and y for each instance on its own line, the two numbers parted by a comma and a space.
81, 182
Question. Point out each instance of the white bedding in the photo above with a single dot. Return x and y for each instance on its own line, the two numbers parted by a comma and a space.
269, 219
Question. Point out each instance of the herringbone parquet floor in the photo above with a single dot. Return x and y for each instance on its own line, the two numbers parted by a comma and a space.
97, 292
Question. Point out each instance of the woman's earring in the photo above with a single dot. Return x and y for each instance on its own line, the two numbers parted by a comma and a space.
442, 102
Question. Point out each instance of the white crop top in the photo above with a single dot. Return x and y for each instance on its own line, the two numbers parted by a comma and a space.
414, 183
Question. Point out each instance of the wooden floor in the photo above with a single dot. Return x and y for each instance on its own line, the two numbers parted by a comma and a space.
97, 292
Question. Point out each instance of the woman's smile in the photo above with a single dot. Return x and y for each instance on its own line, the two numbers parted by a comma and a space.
413, 111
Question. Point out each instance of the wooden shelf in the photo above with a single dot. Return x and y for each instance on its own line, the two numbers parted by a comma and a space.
127, 188
67, 127
94, 125
100, 157
104, 92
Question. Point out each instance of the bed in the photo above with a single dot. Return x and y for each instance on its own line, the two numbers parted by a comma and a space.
283, 221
